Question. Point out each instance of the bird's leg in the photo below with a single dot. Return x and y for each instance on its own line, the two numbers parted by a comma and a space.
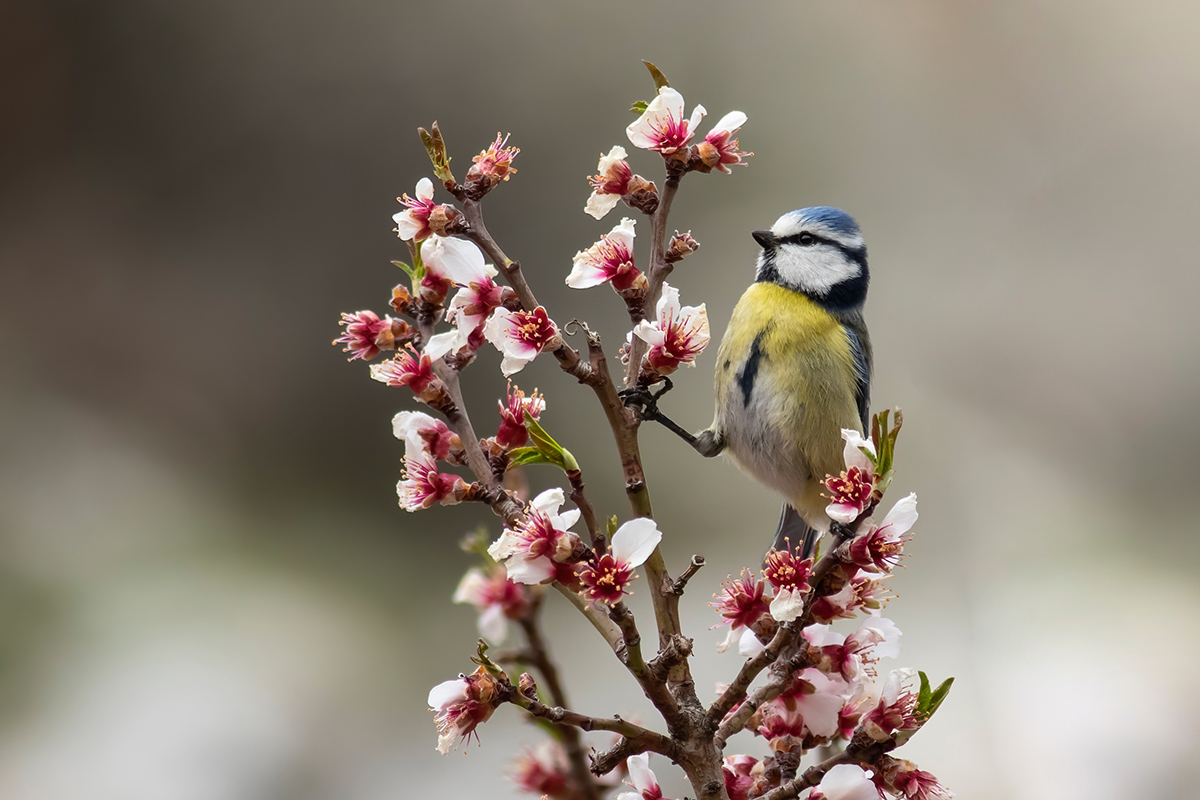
646, 403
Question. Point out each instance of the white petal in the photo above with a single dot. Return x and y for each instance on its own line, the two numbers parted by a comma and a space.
821, 711
624, 233
727, 642
407, 225
455, 259
606, 162
841, 512
493, 625
424, 189
495, 330
470, 588
890, 646
448, 342
787, 605
530, 571
548, 501
668, 303
698, 113
853, 455
749, 645
667, 102
447, 693
407, 422
819, 635
848, 782
511, 364
902, 516
598, 205
634, 541
503, 547
730, 122
649, 333
584, 272
568, 518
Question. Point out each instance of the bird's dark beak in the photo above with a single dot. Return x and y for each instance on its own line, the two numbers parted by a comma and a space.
765, 238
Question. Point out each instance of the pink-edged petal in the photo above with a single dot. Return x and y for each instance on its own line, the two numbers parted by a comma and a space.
616, 155
447, 693
787, 605
598, 205
493, 625
729, 123
407, 224
819, 635
640, 774
902, 516
585, 273
471, 588
634, 541
889, 644
841, 512
641, 132
407, 422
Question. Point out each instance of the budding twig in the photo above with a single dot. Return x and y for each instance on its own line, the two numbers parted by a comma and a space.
681, 582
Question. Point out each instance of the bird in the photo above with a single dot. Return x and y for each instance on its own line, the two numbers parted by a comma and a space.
794, 367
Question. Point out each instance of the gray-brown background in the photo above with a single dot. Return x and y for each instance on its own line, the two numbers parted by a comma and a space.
206, 589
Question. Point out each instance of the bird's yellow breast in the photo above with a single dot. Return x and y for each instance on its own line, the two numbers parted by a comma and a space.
785, 386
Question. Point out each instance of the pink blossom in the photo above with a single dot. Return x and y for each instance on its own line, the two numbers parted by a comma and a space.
853, 708
610, 259
863, 591
851, 491
362, 334
741, 604
460, 705
880, 548
677, 336
543, 771
609, 184
512, 431
477, 300
855, 656
896, 710
451, 261
531, 551
846, 782
495, 597
607, 578
741, 775
817, 698
789, 576
429, 434
423, 485
719, 150
406, 369
642, 779
910, 783
494, 164
662, 126
413, 223
520, 336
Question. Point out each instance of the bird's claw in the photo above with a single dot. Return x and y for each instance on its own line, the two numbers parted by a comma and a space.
644, 400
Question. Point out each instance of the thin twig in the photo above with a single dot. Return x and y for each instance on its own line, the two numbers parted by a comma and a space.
681, 582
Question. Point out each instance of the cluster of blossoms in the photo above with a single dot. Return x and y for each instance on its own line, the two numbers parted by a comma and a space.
452, 306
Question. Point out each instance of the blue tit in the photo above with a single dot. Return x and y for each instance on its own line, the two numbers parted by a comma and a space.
794, 366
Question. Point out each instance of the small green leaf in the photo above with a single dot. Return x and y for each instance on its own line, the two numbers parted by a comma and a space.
938, 695
545, 444
435, 146
525, 456
639, 107
923, 693
660, 80
412, 273
612, 525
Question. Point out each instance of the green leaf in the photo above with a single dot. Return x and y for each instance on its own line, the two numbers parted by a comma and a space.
938, 695
613, 522
639, 107
923, 693
525, 456
412, 273
545, 444
660, 80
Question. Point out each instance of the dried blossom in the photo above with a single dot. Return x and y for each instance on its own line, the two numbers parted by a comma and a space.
493, 165
513, 409
719, 150
460, 705
364, 332
423, 485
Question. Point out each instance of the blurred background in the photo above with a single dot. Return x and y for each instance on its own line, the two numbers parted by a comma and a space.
207, 591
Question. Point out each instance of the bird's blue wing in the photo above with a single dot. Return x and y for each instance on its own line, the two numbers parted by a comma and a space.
862, 370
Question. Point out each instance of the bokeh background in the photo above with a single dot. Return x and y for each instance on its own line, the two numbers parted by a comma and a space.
207, 591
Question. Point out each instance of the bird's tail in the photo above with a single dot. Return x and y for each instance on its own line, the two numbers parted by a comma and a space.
795, 534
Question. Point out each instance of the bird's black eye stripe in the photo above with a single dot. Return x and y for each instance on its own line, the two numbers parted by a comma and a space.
805, 239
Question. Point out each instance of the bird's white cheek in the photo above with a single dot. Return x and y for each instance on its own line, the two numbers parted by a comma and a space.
813, 269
